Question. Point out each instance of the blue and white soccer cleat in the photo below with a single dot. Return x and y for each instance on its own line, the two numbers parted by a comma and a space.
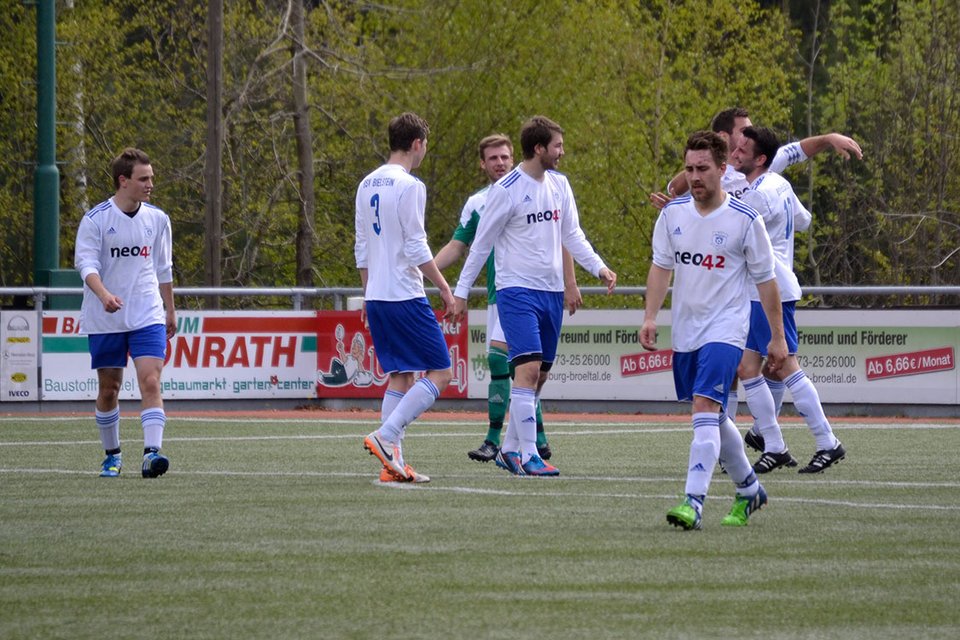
509, 460
535, 466
111, 466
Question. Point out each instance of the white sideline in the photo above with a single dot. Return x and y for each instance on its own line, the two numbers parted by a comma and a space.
557, 430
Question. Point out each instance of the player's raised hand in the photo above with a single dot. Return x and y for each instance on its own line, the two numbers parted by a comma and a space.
845, 146
659, 199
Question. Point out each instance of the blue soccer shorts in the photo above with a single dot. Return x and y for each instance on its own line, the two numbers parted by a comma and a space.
109, 350
406, 336
759, 336
531, 322
707, 372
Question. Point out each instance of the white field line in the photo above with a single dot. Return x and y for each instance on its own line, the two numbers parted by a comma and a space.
626, 427
672, 496
438, 486
564, 429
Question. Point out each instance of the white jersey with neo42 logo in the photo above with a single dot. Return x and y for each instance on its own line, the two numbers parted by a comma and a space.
715, 260
132, 256
528, 223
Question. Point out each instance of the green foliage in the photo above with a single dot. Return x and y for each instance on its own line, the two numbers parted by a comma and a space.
893, 84
627, 81
18, 101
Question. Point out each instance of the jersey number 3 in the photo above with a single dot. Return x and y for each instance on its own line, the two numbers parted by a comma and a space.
375, 204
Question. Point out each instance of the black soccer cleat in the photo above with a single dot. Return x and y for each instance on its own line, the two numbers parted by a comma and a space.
824, 458
770, 461
544, 451
753, 440
484, 453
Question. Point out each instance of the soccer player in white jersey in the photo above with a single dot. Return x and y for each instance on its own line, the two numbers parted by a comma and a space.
729, 124
124, 254
714, 247
496, 159
392, 256
529, 218
773, 197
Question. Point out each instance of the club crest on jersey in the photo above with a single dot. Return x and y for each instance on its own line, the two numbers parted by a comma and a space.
148, 231
719, 238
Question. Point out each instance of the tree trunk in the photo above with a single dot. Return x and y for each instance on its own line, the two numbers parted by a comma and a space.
213, 164
301, 125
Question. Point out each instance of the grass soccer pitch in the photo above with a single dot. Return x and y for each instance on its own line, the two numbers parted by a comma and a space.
278, 528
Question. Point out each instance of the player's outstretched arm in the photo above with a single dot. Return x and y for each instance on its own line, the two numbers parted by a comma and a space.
844, 145
451, 252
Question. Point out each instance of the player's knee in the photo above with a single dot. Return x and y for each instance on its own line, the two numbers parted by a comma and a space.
150, 384
746, 371
108, 394
441, 378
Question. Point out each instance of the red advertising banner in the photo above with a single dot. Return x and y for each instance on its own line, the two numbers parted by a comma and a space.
912, 363
347, 365
638, 364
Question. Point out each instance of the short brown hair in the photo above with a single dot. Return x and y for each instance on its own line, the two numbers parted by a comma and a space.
708, 141
726, 119
124, 163
404, 129
495, 140
764, 142
537, 130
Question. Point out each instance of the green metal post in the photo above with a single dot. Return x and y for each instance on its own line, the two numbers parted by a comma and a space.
46, 186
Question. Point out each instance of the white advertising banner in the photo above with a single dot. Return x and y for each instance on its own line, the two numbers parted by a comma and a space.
214, 354
20, 356
883, 357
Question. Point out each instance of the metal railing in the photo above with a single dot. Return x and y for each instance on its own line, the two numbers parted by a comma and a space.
339, 295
